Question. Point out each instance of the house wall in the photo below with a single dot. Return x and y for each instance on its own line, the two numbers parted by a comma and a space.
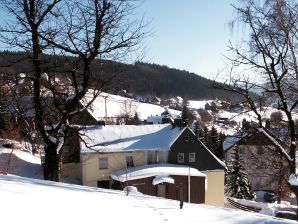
265, 166
215, 187
204, 160
197, 188
116, 161
83, 118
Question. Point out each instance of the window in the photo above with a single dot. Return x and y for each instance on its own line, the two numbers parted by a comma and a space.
129, 161
151, 157
180, 157
186, 138
103, 184
157, 156
103, 163
192, 157
162, 156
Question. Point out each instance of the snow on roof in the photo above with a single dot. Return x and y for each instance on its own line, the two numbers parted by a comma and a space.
225, 129
198, 104
154, 119
115, 138
20, 196
237, 117
151, 170
275, 142
162, 179
117, 105
232, 140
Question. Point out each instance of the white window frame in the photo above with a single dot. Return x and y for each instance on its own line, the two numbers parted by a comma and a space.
186, 138
103, 163
192, 157
180, 157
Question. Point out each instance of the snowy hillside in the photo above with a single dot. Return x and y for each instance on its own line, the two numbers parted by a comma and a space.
229, 120
20, 162
116, 105
25, 200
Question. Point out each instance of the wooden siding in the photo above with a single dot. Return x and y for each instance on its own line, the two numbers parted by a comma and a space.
83, 118
204, 160
256, 139
145, 186
265, 165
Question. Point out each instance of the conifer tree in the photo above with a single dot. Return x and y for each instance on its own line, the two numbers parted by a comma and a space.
184, 115
220, 150
237, 183
213, 140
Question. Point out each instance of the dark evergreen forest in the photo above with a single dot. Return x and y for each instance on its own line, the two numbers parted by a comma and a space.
139, 78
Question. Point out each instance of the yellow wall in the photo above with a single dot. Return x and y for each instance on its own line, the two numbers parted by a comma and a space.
116, 161
215, 188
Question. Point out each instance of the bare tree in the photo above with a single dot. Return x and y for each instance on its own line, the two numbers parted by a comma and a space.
80, 31
269, 53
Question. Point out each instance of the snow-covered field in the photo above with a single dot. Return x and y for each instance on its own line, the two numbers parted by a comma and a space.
20, 162
25, 200
29, 200
198, 104
112, 106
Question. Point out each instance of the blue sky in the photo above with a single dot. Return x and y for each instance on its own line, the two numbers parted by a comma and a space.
188, 34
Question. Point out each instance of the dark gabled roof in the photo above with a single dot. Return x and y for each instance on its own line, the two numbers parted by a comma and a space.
243, 135
211, 162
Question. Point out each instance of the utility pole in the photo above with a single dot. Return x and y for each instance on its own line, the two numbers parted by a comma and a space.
106, 111
188, 184
181, 195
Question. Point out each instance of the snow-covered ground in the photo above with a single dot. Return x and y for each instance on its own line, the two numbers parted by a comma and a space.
20, 162
229, 122
31, 199
198, 104
25, 200
266, 208
113, 105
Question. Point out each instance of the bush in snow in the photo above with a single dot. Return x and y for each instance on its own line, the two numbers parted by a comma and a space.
131, 190
237, 184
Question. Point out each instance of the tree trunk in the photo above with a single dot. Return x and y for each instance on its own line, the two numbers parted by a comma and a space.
52, 163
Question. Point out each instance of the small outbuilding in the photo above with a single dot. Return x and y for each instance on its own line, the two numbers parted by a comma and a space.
164, 180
